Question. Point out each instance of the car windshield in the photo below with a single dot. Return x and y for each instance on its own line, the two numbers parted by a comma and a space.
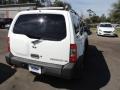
41, 26
105, 25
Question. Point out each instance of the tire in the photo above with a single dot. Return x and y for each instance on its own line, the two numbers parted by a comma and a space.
86, 46
78, 72
85, 52
9, 60
80, 69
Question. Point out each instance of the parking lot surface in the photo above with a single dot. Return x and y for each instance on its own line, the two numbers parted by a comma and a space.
101, 71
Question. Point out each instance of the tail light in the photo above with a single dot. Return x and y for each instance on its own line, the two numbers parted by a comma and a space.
73, 53
8, 44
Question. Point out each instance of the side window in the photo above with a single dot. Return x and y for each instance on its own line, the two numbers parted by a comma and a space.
81, 28
76, 27
76, 24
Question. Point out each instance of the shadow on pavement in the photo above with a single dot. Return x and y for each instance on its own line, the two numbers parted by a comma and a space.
96, 74
5, 72
115, 36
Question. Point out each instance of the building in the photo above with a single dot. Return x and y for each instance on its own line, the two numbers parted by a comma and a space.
10, 10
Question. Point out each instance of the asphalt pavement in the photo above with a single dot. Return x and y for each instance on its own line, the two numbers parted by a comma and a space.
101, 69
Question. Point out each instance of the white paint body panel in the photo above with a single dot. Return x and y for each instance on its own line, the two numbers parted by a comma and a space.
56, 52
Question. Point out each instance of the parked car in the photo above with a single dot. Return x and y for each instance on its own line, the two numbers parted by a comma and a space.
7, 26
118, 26
49, 41
4, 22
105, 29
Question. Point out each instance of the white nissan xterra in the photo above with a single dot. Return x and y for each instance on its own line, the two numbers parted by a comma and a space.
49, 41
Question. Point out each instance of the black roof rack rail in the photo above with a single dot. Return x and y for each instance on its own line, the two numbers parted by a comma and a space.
53, 8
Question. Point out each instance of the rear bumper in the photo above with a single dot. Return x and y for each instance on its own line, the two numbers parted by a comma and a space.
64, 71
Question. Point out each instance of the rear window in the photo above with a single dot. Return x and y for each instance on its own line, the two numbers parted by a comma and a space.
41, 26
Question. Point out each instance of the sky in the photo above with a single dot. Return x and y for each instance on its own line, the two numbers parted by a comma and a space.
98, 6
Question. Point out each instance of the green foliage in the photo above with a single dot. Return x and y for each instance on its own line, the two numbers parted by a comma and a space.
108, 19
87, 20
6, 2
103, 18
32, 1
26, 1
95, 19
59, 3
91, 13
23, 1
19, 1
115, 13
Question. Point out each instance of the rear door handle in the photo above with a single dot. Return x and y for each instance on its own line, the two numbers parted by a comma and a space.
35, 56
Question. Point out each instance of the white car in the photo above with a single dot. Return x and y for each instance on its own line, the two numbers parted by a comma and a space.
105, 29
49, 41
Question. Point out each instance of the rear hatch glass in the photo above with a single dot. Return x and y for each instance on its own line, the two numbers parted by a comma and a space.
41, 26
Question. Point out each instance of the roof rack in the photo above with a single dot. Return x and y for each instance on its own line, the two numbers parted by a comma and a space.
58, 8
52, 8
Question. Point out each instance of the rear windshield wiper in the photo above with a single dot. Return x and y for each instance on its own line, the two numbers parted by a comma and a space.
34, 37
37, 41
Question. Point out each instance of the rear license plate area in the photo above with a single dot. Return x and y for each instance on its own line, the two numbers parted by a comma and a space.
34, 68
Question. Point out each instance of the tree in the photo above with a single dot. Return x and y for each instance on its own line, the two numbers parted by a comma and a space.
92, 16
115, 12
87, 20
17, 1
95, 19
32, 1
59, 3
103, 18
22, 1
108, 19
91, 13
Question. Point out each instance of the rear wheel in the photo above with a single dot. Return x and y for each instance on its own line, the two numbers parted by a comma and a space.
86, 47
79, 68
9, 60
81, 63
85, 52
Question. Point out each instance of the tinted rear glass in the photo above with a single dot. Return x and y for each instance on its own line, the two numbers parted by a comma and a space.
41, 26
105, 25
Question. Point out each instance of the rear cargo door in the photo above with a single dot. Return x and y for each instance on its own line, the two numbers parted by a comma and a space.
41, 37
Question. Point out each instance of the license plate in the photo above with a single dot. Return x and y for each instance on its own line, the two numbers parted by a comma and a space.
35, 69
